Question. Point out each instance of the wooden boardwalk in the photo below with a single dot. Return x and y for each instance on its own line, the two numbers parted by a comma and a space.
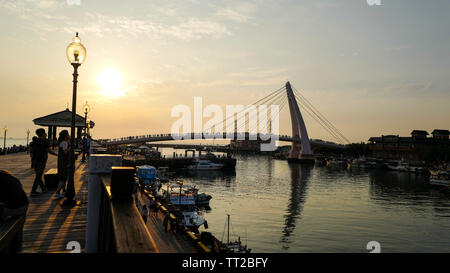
48, 225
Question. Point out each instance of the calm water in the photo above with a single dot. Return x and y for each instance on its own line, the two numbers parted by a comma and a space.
281, 207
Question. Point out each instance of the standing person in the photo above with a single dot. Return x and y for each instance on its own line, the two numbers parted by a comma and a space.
63, 161
40, 155
144, 213
31, 150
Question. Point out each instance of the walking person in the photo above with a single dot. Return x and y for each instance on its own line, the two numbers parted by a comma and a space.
41, 149
166, 221
63, 162
153, 206
144, 213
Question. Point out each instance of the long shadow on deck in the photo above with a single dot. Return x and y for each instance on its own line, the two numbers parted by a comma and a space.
52, 228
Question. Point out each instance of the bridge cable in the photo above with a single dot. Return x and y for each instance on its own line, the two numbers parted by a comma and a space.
260, 101
281, 102
274, 101
307, 110
321, 115
268, 97
317, 118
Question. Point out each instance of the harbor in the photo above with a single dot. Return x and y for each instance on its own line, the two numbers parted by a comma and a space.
238, 184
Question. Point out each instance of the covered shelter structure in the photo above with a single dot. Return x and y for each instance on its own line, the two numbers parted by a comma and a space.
62, 119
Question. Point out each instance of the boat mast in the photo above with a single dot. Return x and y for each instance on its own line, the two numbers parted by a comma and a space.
181, 185
228, 234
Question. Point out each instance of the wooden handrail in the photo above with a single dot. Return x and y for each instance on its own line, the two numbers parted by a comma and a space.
128, 232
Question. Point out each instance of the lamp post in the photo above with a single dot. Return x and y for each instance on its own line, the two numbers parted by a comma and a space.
76, 54
86, 111
88, 128
28, 135
5, 129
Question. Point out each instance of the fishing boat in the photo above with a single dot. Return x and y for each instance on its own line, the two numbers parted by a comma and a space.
236, 246
204, 164
184, 198
186, 195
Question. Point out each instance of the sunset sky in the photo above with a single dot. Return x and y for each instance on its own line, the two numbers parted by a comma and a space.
370, 70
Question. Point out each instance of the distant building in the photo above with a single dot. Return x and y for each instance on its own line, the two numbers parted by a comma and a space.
416, 147
247, 145
441, 134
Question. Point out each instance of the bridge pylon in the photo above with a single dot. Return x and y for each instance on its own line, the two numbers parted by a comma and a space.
300, 152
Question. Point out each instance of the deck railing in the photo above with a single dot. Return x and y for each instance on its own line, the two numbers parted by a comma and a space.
114, 222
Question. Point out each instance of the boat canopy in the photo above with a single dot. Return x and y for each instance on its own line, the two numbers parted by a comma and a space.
146, 172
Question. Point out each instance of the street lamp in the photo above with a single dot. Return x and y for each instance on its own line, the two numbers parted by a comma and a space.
76, 54
86, 111
28, 135
4, 138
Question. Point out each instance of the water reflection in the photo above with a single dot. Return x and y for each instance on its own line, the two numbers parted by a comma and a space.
299, 175
388, 180
399, 188
210, 174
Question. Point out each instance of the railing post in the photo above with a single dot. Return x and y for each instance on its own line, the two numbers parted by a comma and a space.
122, 183
98, 164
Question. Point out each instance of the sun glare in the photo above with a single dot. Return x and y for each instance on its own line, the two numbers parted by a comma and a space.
110, 82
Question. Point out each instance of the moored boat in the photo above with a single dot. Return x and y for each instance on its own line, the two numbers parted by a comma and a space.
236, 246
404, 166
187, 195
204, 164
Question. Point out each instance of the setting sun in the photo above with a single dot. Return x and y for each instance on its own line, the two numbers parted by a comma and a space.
110, 82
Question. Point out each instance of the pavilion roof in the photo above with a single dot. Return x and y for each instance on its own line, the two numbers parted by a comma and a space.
62, 119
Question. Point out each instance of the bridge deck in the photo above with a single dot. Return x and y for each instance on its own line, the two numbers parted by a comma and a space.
49, 226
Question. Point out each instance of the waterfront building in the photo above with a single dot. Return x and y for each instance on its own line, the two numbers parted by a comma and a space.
417, 147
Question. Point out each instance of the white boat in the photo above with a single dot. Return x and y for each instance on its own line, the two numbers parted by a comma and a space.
193, 219
187, 195
204, 164
403, 166
184, 196
400, 166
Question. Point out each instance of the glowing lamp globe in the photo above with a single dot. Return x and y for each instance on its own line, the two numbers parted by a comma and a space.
86, 108
76, 52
